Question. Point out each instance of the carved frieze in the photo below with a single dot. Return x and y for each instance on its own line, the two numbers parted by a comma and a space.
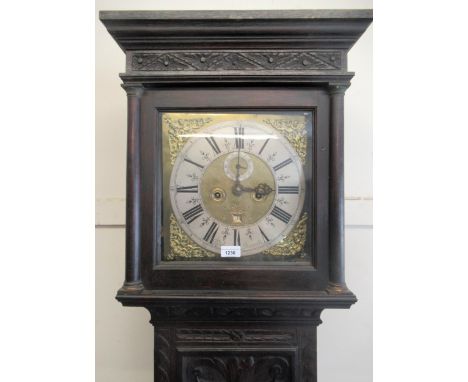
235, 312
235, 335
234, 60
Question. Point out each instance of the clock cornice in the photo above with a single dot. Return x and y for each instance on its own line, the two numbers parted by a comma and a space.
149, 30
236, 47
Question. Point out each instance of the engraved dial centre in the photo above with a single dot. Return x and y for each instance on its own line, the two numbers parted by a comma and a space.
237, 208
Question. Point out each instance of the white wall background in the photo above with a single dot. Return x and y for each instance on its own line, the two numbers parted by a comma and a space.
124, 341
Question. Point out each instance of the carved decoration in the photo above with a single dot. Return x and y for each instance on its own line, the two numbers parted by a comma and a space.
214, 311
162, 356
235, 335
236, 368
229, 60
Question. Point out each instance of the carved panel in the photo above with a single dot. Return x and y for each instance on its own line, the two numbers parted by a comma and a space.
241, 354
162, 355
235, 335
272, 312
224, 367
232, 60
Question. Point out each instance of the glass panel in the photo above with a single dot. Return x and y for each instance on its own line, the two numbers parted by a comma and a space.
237, 179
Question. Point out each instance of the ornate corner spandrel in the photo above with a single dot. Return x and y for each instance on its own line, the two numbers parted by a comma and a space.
179, 130
294, 243
182, 247
293, 129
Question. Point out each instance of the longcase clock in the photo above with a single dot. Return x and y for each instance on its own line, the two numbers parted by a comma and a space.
235, 194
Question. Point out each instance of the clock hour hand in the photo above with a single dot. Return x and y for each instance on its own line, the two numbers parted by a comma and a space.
246, 189
260, 191
238, 166
237, 188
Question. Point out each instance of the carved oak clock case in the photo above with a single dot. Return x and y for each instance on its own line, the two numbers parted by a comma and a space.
235, 199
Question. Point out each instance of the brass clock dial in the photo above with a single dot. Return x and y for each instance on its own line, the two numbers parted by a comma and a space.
237, 183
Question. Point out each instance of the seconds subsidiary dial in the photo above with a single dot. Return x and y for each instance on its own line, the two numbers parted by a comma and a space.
237, 183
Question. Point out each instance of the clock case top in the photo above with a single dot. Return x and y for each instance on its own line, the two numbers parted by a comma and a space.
209, 60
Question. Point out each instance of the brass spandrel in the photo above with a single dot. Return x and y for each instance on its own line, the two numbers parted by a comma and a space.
182, 247
293, 129
294, 243
179, 129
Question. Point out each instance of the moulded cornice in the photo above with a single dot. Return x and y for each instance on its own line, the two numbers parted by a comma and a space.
281, 29
314, 299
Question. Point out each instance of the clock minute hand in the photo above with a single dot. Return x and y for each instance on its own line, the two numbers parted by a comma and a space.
237, 187
238, 166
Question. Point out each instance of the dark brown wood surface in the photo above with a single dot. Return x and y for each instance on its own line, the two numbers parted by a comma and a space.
235, 352
234, 322
288, 29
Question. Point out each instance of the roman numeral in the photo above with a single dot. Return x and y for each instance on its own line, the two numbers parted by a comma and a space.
236, 237
211, 233
188, 189
281, 214
263, 234
213, 144
260, 152
239, 132
288, 189
282, 164
193, 213
194, 163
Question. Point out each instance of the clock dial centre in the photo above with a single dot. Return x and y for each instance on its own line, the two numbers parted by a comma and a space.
239, 202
